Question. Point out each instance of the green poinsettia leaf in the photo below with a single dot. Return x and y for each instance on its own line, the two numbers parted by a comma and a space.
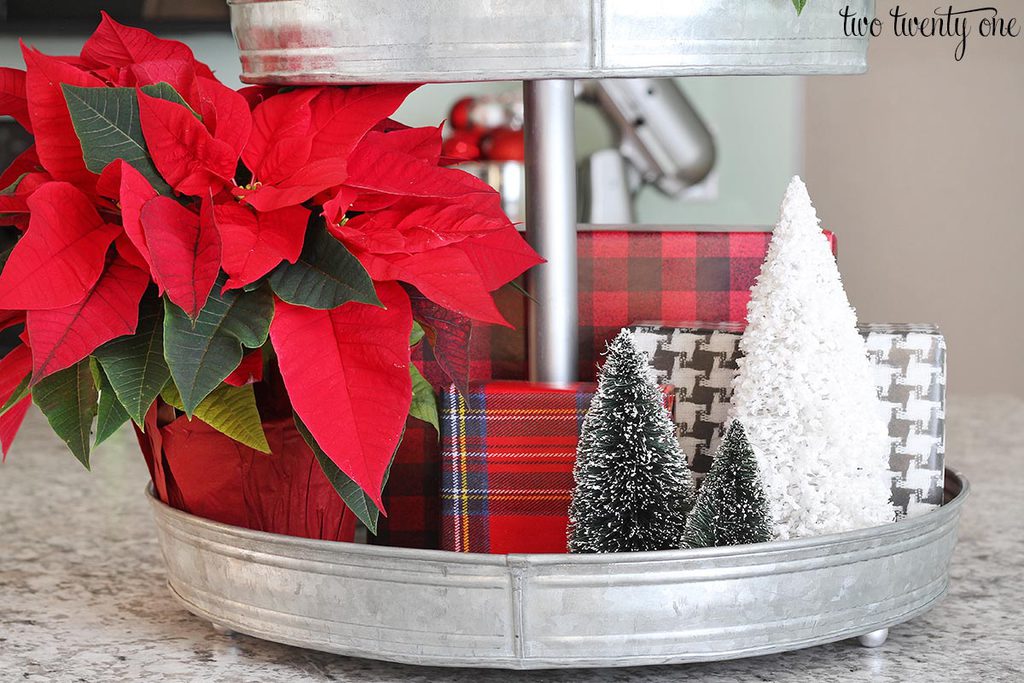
325, 276
202, 354
424, 402
23, 389
416, 336
231, 411
10, 189
353, 496
522, 290
68, 399
110, 413
106, 121
134, 365
799, 4
166, 91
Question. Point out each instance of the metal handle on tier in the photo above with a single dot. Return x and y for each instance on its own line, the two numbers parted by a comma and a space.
551, 228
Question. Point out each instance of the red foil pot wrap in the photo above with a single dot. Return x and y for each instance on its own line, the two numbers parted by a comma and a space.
198, 470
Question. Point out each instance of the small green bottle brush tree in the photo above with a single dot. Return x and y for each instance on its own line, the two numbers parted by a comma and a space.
633, 488
732, 508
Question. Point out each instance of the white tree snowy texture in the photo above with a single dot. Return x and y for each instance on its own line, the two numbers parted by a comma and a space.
804, 390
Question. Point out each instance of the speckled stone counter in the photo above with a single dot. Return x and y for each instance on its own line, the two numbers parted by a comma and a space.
83, 596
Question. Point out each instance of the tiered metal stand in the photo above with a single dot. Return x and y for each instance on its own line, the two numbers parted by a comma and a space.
539, 611
546, 44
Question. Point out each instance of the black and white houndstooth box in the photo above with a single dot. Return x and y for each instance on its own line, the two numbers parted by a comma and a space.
699, 360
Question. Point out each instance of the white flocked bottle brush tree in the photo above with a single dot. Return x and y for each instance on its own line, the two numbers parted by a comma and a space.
804, 391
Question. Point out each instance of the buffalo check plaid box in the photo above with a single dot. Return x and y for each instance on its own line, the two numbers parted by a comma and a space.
507, 453
699, 360
687, 275
625, 276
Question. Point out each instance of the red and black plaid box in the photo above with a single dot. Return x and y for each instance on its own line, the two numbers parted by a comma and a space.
625, 276
507, 453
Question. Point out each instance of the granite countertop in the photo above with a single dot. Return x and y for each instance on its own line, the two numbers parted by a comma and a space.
83, 594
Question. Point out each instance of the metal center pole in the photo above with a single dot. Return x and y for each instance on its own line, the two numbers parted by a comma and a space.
551, 229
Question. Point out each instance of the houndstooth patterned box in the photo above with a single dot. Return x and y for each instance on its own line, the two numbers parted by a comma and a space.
910, 372
699, 360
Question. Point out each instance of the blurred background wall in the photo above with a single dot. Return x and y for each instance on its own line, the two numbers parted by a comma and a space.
917, 165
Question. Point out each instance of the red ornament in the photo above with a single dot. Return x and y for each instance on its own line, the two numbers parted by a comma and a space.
459, 115
463, 144
504, 144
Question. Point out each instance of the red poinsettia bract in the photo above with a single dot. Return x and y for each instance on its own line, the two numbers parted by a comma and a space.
163, 229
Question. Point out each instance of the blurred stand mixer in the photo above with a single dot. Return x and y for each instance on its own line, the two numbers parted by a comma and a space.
660, 140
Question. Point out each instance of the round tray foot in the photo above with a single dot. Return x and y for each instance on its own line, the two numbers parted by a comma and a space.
875, 638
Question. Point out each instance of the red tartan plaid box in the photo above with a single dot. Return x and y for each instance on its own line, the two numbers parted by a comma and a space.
625, 276
507, 454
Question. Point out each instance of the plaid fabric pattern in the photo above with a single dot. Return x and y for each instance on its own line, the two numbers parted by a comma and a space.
508, 450
699, 360
626, 276
410, 497
629, 276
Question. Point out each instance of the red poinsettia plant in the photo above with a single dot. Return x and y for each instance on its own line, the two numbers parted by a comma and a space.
170, 236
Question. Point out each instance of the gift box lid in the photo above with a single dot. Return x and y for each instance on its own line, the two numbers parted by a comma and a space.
899, 328
865, 328
696, 326
513, 386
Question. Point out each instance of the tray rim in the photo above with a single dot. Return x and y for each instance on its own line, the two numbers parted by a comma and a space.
522, 643
956, 485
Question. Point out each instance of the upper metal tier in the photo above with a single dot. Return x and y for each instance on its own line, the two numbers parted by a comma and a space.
376, 41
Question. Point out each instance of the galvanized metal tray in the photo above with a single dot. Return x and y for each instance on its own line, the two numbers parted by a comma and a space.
548, 611
376, 41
